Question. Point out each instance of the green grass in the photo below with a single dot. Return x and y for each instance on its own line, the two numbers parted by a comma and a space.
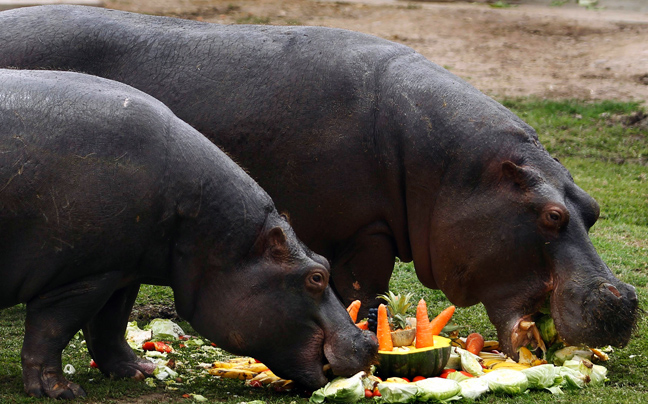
587, 139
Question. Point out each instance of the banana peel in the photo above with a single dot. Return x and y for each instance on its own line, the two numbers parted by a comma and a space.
240, 374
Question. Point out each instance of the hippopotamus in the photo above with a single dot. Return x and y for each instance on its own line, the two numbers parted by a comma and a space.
373, 152
104, 188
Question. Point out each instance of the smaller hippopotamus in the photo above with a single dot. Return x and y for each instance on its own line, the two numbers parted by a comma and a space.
102, 189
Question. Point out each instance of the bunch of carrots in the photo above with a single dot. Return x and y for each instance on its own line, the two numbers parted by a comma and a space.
425, 329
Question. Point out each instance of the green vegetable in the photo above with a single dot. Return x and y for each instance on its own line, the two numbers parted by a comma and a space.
470, 362
341, 390
569, 352
572, 379
542, 376
438, 390
164, 329
398, 392
547, 329
507, 381
597, 374
473, 387
457, 376
426, 362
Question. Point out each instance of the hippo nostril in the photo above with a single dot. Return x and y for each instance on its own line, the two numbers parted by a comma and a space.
612, 289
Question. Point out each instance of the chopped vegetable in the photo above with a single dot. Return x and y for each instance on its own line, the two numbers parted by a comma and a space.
353, 310
474, 343
441, 320
363, 325
164, 329
470, 362
437, 390
341, 390
397, 392
157, 346
383, 332
542, 376
424, 336
508, 381
473, 388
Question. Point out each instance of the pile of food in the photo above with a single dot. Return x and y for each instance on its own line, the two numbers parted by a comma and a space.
472, 367
419, 360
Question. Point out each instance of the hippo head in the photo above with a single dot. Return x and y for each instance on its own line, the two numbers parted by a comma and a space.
510, 230
275, 304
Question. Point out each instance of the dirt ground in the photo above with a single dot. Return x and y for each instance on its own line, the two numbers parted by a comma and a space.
566, 51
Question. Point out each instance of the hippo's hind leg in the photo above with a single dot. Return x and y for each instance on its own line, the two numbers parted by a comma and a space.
52, 320
104, 335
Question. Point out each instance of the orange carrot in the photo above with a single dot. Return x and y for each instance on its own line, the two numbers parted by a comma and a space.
422, 314
363, 325
441, 320
474, 343
353, 310
382, 330
424, 338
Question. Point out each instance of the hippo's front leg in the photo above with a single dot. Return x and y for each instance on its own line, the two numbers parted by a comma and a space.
105, 340
52, 320
362, 267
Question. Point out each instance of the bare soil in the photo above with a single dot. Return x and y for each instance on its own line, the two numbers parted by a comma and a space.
566, 51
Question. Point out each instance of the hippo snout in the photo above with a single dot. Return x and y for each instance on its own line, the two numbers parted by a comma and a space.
607, 314
358, 354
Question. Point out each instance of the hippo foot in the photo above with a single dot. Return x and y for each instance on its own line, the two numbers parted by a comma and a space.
138, 369
53, 385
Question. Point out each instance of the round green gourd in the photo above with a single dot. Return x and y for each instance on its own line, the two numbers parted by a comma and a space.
426, 362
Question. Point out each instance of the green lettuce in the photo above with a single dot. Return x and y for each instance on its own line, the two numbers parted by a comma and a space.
398, 392
438, 390
508, 381
340, 390
163, 329
473, 387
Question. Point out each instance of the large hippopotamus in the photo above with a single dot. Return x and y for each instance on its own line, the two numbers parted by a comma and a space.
103, 188
373, 151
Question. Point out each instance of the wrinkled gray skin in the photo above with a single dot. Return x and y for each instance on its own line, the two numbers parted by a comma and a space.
372, 150
103, 188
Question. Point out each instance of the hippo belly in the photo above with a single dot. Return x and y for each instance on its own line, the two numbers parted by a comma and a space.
104, 189
373, 152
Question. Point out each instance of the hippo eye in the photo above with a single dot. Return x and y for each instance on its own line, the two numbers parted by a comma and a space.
316, 281
554, 217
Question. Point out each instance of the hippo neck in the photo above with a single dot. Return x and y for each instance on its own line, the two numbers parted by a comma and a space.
449, 133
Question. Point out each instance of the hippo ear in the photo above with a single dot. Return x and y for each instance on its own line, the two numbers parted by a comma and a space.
276, 243
523, 177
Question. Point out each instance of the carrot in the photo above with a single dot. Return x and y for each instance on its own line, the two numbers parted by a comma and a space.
422, 314
382, 330
474, 343
441, 320
363, 325
424, 338
353, 310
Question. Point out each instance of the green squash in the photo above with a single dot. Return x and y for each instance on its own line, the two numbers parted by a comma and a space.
426, 362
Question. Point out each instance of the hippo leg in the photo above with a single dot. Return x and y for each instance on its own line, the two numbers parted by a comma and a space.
104, 335
52, 319
362, 268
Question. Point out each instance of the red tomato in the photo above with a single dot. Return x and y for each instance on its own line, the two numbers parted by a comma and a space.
368, 393
406, 379
466, 373
376, 392
148, 346
446, 372
417, 378
93, 364
162, 347
186, 395
256, 383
